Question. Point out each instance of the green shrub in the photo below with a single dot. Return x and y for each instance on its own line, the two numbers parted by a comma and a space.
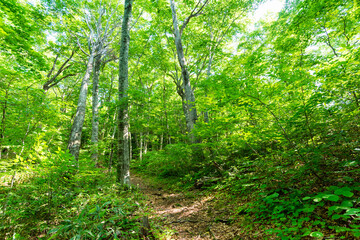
174, 161
62, 201
296, 216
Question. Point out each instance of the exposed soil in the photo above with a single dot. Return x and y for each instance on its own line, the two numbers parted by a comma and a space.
188, 216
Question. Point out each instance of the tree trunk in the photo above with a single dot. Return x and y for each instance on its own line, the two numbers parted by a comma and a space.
208, 73
3, 119
167, 135
95, 111
76, 130
161, 141
130, 146
112, 145
123, 167
146, 143
141, 147
189, 104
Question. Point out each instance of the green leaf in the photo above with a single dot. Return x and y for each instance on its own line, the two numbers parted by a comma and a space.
354, 226
331, 197
352, 211
345, 191
347, 204
90, 233
274, 195
335, 217
317, 199
316, 234
309, 209
92, 210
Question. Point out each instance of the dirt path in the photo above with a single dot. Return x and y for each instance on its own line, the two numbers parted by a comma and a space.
188, 216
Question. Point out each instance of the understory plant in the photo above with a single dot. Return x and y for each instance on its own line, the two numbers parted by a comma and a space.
65, 199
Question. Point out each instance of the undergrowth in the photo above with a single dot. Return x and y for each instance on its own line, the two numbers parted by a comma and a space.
54, 199
286, 198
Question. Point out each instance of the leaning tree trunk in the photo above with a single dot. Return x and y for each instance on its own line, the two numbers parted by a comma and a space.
123, 166
189, 104
76, 130
95, 111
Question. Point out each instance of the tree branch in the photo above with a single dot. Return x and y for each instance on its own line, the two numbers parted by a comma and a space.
50, 83
137, 19
193, 14
53, 67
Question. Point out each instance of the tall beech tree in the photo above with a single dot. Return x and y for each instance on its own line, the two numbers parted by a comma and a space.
123, 165
110, 26
98, 37
185, 91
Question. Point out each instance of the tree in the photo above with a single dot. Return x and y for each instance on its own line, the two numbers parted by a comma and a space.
123, 165
98, 39
185, 91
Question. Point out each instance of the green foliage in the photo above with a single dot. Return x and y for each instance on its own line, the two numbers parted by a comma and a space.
295, 216
63, 201
282, 98
109, 220
173, 161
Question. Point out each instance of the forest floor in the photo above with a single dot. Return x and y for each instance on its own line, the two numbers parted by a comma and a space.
193, 214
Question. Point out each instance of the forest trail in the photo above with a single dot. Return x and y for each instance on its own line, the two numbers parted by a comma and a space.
189, 215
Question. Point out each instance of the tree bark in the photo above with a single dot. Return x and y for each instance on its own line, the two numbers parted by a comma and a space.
76, 130
208, 73
3, 118
95, 110
189, 104
141, 146
167, 134
123, 166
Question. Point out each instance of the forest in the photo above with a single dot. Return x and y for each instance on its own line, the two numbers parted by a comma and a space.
179, 119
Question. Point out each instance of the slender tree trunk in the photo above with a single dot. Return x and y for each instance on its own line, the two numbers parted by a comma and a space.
146, 142
130, 146
208, 73
141, 146
3, 119
136, 147
189, 104
76, 130
123, 166
167, 135
161, 141
113, 143
106, 132
95, 111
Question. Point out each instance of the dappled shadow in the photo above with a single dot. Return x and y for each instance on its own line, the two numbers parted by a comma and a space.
188, 216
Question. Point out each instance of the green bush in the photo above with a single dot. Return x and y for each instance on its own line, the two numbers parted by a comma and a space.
62, 201
295, 216
174, 161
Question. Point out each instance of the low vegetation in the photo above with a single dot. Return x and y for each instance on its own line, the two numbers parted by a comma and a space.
257, 113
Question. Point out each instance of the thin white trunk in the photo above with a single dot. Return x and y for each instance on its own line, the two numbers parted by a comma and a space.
161, 141
123, 168
146, 142
76, 130
189, 103
141, 146
130, 145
